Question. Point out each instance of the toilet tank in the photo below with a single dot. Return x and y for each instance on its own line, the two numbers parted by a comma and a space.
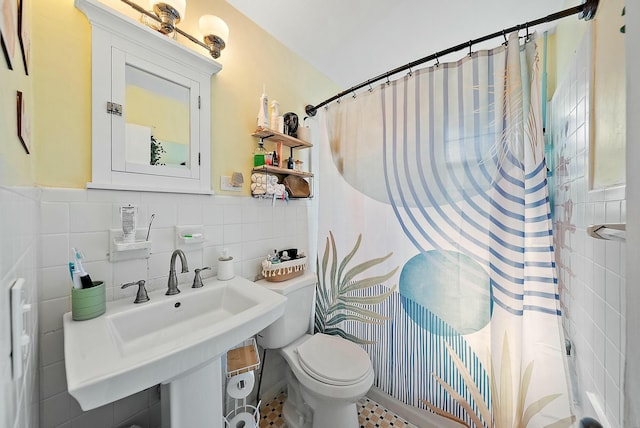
298, 311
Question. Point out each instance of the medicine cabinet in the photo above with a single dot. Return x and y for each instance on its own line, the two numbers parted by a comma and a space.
151, 107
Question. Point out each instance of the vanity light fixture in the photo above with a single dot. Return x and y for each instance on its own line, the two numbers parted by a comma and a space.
168, 13
215, 33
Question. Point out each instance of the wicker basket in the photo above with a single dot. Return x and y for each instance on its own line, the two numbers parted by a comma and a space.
277, 272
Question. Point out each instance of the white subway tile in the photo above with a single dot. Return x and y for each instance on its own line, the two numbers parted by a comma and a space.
54, 217
55, 250
613, 325
113, 196
612, 400
54, 282
50, 314
53, 380
93, 245
102, 417
54, 194
129, 406
163, 239
613, 292
212, 213
612, 362
89, 217
51, 347
232, 214
100, 271
233, 234
166, 214
54, 411
214, 235
190, 214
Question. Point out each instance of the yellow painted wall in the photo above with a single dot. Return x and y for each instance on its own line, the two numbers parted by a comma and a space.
17, 168
609, 97
168, 117
607, 163
62, 89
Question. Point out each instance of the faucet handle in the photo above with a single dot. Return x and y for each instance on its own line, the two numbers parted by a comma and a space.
197, 280
142, 295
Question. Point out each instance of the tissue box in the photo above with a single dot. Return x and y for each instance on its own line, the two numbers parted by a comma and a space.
88, 303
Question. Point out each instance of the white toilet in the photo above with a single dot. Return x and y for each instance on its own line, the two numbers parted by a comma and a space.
328, 374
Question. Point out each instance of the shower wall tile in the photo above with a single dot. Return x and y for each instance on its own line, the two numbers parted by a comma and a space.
591, 272
18, 259
249, 228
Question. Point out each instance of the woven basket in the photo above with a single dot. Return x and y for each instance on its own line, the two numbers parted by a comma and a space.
283, 271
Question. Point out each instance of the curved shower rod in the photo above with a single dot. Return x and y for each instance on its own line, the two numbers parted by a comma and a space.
586, 10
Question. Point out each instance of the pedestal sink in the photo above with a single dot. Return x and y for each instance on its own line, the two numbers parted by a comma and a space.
176, 340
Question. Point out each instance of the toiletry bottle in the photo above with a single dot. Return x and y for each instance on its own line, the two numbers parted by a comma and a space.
275, 159
128, 220
275, 112
263, 113
258, 155
290, 163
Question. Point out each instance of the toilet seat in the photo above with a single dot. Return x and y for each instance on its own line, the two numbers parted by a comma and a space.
333, 360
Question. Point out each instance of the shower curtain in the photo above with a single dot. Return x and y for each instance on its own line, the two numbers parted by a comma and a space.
435, 240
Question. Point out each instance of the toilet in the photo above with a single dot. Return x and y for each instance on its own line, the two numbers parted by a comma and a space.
327, 374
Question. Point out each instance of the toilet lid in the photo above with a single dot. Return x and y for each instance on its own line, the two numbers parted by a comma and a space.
333, 360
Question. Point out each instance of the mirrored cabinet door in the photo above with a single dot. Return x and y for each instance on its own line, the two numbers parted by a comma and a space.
157, 132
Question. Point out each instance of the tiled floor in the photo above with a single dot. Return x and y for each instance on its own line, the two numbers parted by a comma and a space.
370, 415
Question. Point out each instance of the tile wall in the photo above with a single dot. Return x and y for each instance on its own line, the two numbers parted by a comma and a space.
247, 227
18, 259
591, 272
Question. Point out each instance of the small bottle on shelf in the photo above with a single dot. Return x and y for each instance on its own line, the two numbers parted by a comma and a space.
258, 155
275, 159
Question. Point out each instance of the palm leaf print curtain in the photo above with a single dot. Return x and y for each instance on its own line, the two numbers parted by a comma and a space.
435, 240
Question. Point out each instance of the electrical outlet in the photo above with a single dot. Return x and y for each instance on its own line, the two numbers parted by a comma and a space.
225, 184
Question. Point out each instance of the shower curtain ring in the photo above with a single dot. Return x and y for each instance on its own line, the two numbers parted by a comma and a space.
527, 27
354, 94
470, 44
370, 87
388, 82
437, 60
504, 34
410, 73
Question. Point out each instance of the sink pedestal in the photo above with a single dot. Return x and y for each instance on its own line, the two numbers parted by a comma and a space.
196, 397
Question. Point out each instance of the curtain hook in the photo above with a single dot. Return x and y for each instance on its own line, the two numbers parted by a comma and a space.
354, 94
388, 82
370, 87
410, 73
437, 60
527, 27
506, 42
470, 44
338, 100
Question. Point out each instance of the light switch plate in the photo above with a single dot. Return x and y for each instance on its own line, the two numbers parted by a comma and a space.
19, 337
225, 181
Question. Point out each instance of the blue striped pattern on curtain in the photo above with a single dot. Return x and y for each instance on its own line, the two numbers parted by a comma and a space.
406, 355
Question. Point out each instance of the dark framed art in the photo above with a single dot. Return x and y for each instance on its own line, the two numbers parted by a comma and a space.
24, 36
23, 122
8, 23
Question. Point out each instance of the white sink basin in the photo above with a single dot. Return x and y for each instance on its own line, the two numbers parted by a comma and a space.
133, 347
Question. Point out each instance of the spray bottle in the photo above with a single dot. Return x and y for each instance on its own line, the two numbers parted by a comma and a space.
263, 113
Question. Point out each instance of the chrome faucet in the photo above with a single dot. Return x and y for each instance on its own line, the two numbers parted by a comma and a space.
172, 286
